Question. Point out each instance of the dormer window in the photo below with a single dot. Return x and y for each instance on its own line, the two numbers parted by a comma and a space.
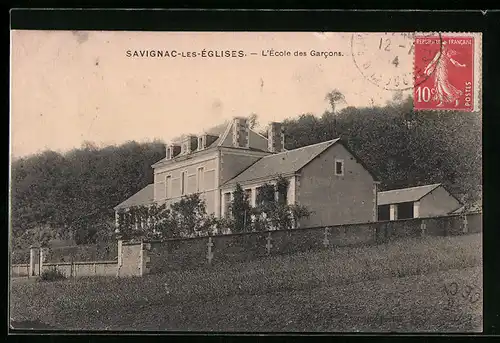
189, 144
201, 146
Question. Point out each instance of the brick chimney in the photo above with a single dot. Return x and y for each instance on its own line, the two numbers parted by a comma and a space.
241, 132
275, 137
173, 150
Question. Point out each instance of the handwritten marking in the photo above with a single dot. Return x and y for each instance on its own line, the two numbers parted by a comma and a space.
453, 289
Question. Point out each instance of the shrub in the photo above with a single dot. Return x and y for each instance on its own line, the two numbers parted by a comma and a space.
52, 275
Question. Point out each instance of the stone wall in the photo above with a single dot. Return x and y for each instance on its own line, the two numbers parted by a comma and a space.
153, 257
17, 270
200, 252
87, 268
94, 252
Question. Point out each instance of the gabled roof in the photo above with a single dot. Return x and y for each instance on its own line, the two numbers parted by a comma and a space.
282, 163
144, 197
411, 194
257, 141
217, 131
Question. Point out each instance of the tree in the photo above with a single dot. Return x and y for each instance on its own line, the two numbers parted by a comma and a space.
190, 216
298, 212
334, 97
401, 147
265, 197
273, 211
240, 210
74, 193
185, 218
282, 189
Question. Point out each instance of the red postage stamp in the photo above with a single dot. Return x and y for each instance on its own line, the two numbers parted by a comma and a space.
444, 72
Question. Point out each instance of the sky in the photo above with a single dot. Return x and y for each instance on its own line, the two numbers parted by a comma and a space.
68, 87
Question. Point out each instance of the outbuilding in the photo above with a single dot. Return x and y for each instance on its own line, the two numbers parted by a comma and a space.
416, 202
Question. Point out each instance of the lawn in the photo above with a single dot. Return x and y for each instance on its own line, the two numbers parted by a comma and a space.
392, 287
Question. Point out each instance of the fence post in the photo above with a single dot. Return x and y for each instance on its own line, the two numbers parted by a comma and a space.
34, 253
269, 245
423, 228
326, 241
120, 251
210, 254
465, 227
120, 255
43, 257
145, 259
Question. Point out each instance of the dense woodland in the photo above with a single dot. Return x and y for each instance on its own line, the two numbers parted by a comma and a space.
72, 195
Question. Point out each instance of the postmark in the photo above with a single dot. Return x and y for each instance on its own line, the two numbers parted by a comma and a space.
444, 72
386, 59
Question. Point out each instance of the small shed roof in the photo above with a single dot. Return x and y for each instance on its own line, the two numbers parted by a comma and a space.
411, 194
144, 197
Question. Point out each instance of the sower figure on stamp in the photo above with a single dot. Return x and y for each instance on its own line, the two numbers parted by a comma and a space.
445, 91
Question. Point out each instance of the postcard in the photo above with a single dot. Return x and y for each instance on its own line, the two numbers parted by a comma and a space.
246, 181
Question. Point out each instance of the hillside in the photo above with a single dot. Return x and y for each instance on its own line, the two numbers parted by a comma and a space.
72, 195
397, 287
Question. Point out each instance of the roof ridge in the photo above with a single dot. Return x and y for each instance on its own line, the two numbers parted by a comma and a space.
225, 133
413, 187
303, 147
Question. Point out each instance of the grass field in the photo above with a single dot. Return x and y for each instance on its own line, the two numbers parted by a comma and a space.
395, 287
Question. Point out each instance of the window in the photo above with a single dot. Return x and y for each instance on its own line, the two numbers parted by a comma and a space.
282, 194
200, 179
384, 212
168, 187
248, 193
258, 196
183, 183
200, 143
405, 210
339, 167
227, 204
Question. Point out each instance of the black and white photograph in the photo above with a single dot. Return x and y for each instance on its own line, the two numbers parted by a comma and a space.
246, 181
